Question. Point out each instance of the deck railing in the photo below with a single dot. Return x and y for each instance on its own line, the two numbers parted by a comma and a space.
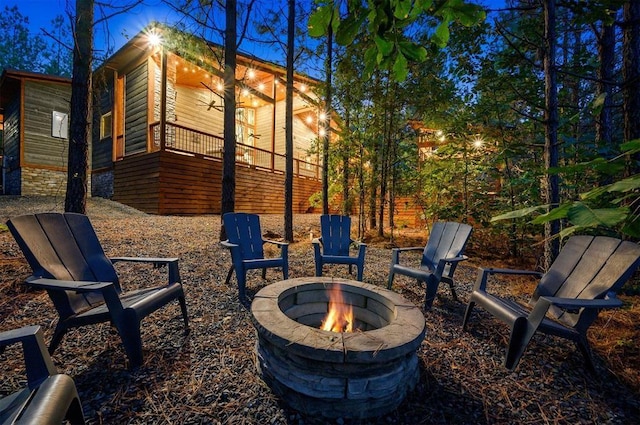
187, 140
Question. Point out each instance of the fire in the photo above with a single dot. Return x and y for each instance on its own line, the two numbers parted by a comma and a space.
340, 315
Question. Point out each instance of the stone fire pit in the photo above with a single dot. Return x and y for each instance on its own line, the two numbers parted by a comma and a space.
359, 374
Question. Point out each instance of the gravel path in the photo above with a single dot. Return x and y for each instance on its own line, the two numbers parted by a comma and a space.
209, 376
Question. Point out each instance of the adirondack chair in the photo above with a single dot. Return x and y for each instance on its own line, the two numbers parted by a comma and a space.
332, 247
67, 260
581, 281
440, 258
246, 246
50, 398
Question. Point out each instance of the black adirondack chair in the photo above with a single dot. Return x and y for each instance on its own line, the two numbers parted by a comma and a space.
440, 258
50, 398
246, 244
334, 243
67, 260
580, 282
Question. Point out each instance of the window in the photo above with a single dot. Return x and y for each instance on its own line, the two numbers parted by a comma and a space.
59, 125
246, 126
105, 126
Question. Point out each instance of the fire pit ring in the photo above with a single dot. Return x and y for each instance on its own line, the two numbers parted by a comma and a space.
352, 375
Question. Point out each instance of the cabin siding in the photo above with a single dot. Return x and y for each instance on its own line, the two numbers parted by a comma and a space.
192, 110
102, 153
40, 147
165, 182
135, 122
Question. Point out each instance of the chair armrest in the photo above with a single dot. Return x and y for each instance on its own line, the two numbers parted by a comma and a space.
484, 273
316, 241
172, 263
571, 305
455, 259
395, 253
67, 285
228, 245
37, 361
280, 244
410, 248
576, 303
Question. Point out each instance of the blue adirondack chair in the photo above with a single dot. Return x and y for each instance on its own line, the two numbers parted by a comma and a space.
333, 246
67, 260
440, 258
50, 398
246, 245
582, 280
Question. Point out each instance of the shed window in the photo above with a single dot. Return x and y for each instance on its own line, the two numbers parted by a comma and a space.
105, 126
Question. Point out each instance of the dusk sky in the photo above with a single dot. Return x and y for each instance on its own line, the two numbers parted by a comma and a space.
41, 12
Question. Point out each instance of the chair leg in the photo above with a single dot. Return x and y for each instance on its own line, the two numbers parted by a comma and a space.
518, 341
285, 271
390, 281
226, 282
75, 416
131, 340
360, 272
318, 267
467, 315
58, 334
264, 273
583, 345
183, 308
241, 275
432, 288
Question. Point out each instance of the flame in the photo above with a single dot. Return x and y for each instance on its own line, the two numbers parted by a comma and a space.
340, 315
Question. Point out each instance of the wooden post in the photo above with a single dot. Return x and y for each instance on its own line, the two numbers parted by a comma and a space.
163, 99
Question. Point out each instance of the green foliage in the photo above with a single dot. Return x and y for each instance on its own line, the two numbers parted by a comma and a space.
385, 26
609, 207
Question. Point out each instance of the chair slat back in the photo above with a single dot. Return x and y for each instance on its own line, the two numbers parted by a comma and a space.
446, 240
244, 230
336, 234
588, 267
64, 247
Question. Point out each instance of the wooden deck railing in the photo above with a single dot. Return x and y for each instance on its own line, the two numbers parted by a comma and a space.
187, 140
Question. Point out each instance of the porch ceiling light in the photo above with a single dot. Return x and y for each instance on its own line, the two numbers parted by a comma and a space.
251, 74
323, 116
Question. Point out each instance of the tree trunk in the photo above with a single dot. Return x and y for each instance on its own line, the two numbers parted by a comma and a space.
551, 186
631, 75
605, 86
346, 202
80, 120
326, 137
229, 155
288, 182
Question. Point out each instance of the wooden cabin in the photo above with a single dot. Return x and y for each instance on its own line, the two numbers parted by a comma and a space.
158, 129
35, 115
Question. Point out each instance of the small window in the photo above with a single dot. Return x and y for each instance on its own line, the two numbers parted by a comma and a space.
60, 125
105, 126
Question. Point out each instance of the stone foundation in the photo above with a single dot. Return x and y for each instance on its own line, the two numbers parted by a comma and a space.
40, 181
